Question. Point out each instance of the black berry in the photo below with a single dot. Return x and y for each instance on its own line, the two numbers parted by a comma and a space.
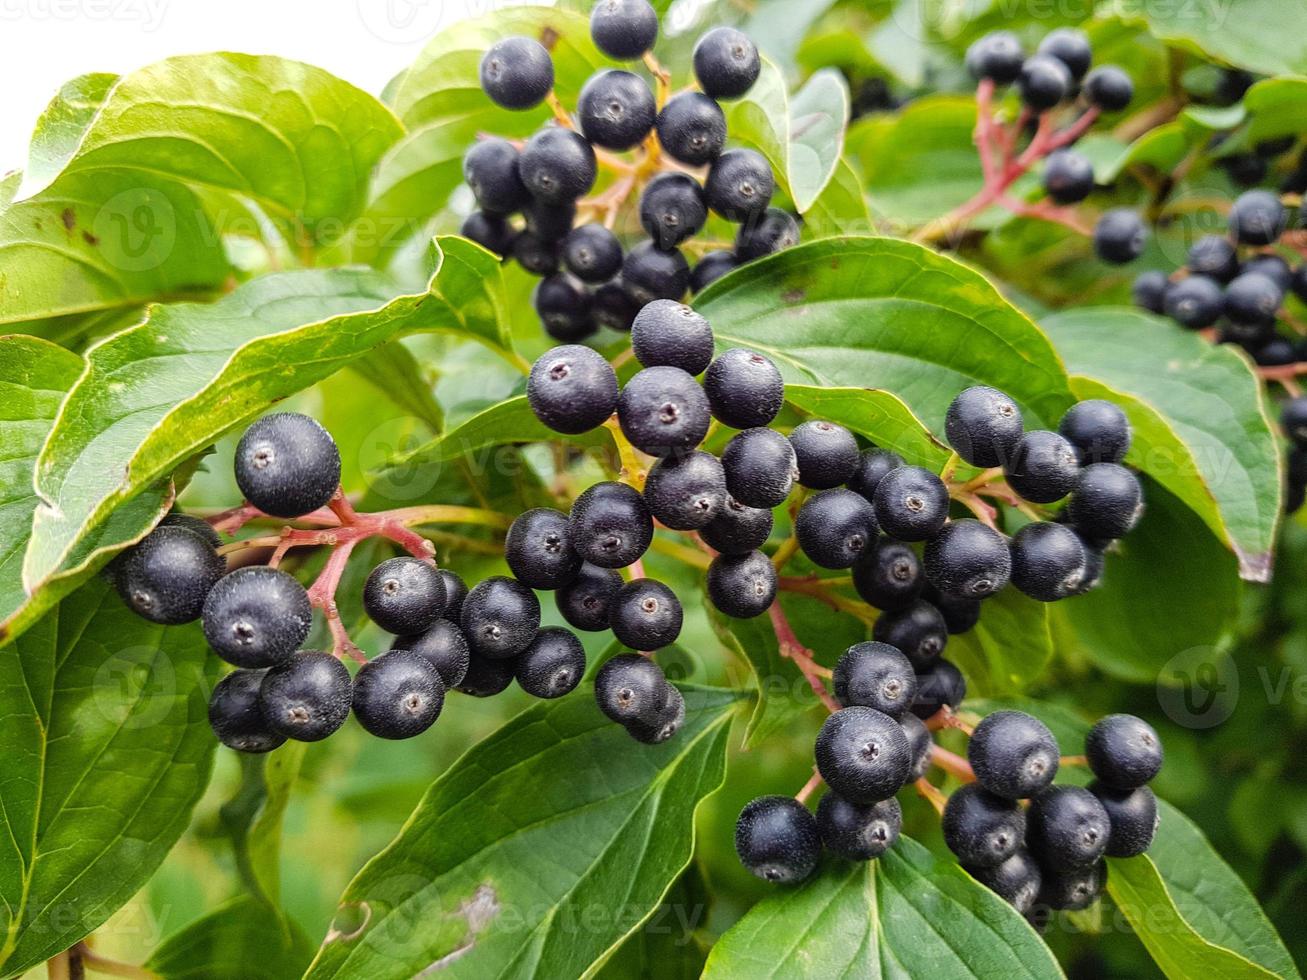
1098, 429
645, 615
742, 586
616, 110
256, 616
664, 724
1252, 298
1067, 828
919, 631
920, 743
517, 73
737, 529
982, 829
967, 559
1293, 418
536, 255
858, 833
287, 465
960, 614
740, 184
168, 575
490, 169
663, 410
744, 388
572, 389
863, 754
500, 617
1109, 88
455, 593
585, 600
631, 688
539, 551
487, 676
552, 665
670, 334
610, 525
710, 268
306, 697
1149, 291
875, 675
1043, 467
835, 527
1272, 267
1043, 82
1072, 890
1124, 751
1049, 561
557, 165
911, 503
686, 492
1119, 236
1013, 754
404, 595
1215, 257
772, 231
888, 576
1017, 880
777, 839
490, 231
1257, 218
726, 63
1132, 814
613, 307
1068, 176
983, 426
196, 525
1107, 501
549, 222
563, 304
624, 29
873, 464
444, 646
827, 453
672, 208
1070, 47
650, 273
997, 57
760, 467
939, 685
692, 128
235, 715
1195, 302
398, 695
592, 253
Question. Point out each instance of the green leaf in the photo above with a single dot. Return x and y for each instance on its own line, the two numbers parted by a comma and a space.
107, 749
879, 415
1009, 648
253, 818
395, 373
853, 312
780, 685
908, 914
840, 209
1277, 107
538, 852
1250, 34
668, 946
1200, 421
236, 941
63, 124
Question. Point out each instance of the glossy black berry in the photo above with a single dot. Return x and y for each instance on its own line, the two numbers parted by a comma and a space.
287, 465
967, 559
1272, 267
235, 715
983, 426
1067, 828
1043, 467
455, 593
613, 307
539, 551
517, 73
911, 504
761, 467
1257, 218
572, 389
535, 254
1124, 751
919, 631
872, 466
444, 646
1068, 176
564, 306
1098, 429
740, 184
1149, 291
1119, 236
1049, 561
744, 388
256, 616
491, 231
1275, 352
196, 525
1213, 256
645, 615
742, 586
1252, 298
1014, 755
920, 743
726, 63
960, 614
664, 724
585, 600
827, 453
306, 697
1107, 501
1132, 814
672, 208
557, 165
692, 128
1069, 46
1109, 88
592, 253
1072, 890
835, 528
663, 410
552, 665
500, 617
777, 839
710, 268
167, 577
670, 334
875, 675
650, 273
486, 676
404, 595
549, 222
863, 754
996, 56
888, 576
686, 492
1043, 82
1017, 880
982, 829
398, 695
858, 833
630, 688
490, 169
610, 525
1195, 302
624, 29
939, 685
1293, 419
616, 110
737, 529
772, 231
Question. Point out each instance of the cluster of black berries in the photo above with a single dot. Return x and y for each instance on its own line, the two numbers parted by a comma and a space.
589, 281
1056, 72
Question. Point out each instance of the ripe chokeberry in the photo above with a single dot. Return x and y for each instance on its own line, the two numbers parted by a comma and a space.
664, 724
1107, 501
306, 697
1213, 256
549, 222
772, 231
960, 614
692, 128
535, 254
500, 617
875, 675
1098, 429
585, 600
650, 273
726, 63
1133, 817
235, 715
858, 833
835, 528
827, 454
168, 575
1272, 267
1257, 218
686, 492
967, 559
444, 646
490, 231
624, 29
983, 426
610, 525
256, 616
552, 665
742, 586
777, 839
919, 742
1149, 290
1109, 88
455, 593
873, 464
940, 685
1017, 880
918, 631
740, 185
1119, 236
1043, 467
539, 551
1014, 755
744, 388
287, 465
911, 503
572, 389
863, 754
997, 57
592, 253
737, 529
1072, 890
1252, 298
486, 676
982, 829
1293, 419
398, 695
1069, 46
710, 268
563, 304
517, 73
645, 615
631, 688
404, 595
663, 410
888, 576
760, 467
616, 110
1048, 561
1043, 82
1195, 302
490, 169
670, 334
1067, 828
672, 208
196, 525
1123, 751
613, 307
1068, 176
557, 165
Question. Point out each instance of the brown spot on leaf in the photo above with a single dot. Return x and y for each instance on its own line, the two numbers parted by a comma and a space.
479, 911
794, 296
548, 37
90, 239
69, 218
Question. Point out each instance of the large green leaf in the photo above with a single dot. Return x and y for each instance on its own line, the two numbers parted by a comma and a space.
1199, 415
908, 914
107, 749
1277, 107
61, 127
840, 209
879, 415
538, 852
1249, 34
1009, 648
236, 941
884, 313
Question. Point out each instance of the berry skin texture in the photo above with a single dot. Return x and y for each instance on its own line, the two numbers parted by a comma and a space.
167, 577
742, 586
777, 839
256, 616
1072, 891
726, 63
1272, 267
645, 615
444, 646
538, 550
1099, 431
557, 165
983, 426
1109, 88
672, 208
967, 559
195, 525
235, 715
692, 128
835, 528
552, 665
662, 725
1068, 176
1148, 291
1067, 828
873, 464
1043, 82
398, 695
939, 685
1119, 236
740, 185
875, 675
737, 529
613, 307
563, 304
918, 631
455, 593
306, 697
858, 833
610, 525
1124, 751
1107, 501
1070, 47
686, 492
982, 829
1293, 417
744, 388
287, 465
670, 334
592, 253
960, 614
888, 576
663, 410
1195, 302
760, 467
1017, 880
517, 73
920, 742
486, 677
997, 57
773, 231
585, 600
1043, 467
631, 688
863, 754
827, 453
1252, 298
1257, 218
534, 254
616, 110
911, 504
1133, 816
404, 595
490, 231
1049, 561
490, 169
572, 389
550, 222
1213, 256
710, 268
1014, 755
650, 273
624, 29
500, 618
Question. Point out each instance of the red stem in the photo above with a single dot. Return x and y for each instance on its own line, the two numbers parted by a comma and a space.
801, 655
953, 763
809, 787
